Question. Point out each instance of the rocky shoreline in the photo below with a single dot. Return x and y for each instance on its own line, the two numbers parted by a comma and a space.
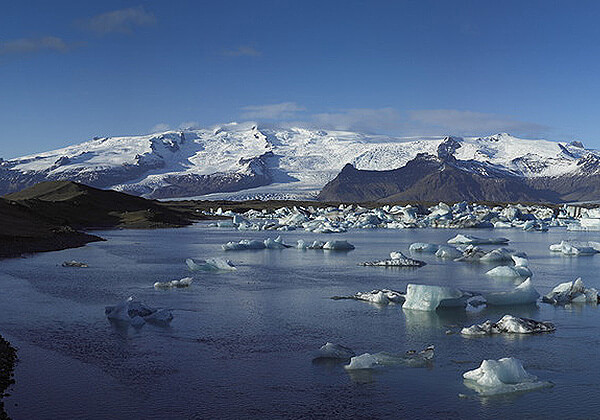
8, 359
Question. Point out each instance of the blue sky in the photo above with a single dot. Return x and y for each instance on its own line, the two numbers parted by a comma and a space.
71, 70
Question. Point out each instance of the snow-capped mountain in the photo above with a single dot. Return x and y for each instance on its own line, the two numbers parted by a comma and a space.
247, 161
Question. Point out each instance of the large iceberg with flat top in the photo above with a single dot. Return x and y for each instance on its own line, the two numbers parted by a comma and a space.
523, 294
509, 324
508, 271
502, 376
423, 297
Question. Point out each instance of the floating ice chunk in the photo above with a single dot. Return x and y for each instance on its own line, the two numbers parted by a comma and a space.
316, 245
520, 259
301, 244
75, 264
448, 252
573, 248
509, 325
428, 298
275, 243
502, 225
136, 313
523, 294
410, 358
210, 264
398, 259
502, 376
379, 296
184, 282
364, 361
509, 271
338, 246
423, 247
474, 240
243, 245
471, 253
571, 292
497, 255
334, 351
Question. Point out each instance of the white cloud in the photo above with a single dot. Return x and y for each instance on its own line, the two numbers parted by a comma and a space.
242, 51
122, 21
452, 121
360, 119
283, 110
33, 45
189, 125
160, 127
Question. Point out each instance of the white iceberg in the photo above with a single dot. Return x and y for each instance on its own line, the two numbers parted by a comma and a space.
210, 264
410, 358
509, 324
397, 259
497, 255
423, 247
338, 246
571, 292
573, 248
520, 259
137, 313
243, 245
276, 243
184, 282
523, 294
474, 240
334, 351
448, 252
510, 271
364, 361
422, 297
502, 376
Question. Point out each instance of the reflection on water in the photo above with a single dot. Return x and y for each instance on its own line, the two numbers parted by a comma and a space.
241, 343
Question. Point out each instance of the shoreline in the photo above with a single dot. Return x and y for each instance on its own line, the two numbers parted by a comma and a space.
8, 360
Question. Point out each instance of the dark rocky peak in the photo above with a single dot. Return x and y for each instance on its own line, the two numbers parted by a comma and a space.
447, 147
589, 164
576, 143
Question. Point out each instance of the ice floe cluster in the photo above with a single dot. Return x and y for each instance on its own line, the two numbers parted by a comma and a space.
277, 243
571, 292
336, 219
576, 248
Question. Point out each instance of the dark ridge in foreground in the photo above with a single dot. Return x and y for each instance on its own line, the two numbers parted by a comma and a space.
49, 215
8, 360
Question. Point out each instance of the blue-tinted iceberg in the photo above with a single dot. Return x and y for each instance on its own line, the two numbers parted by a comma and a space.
523, 294
502, 376
423, 297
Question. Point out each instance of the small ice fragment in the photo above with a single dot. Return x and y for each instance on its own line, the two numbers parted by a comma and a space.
334, 351
75, 264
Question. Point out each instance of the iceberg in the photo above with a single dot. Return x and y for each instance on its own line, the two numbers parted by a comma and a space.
75, 264
474, 240
243, 245
423, 247
398, 259
502, 376
509, 271
338, 246
448, 252
276, 243
210, 264
137, 313
334, 351
411, 358
509, 324
571, 292
573, 248
520, 259
497, 255
422, 297
523, 294
184, 282
378, 296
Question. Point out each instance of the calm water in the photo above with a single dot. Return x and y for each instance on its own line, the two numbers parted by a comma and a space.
241, 343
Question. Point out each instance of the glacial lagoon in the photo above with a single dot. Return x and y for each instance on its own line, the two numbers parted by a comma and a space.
241, 342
